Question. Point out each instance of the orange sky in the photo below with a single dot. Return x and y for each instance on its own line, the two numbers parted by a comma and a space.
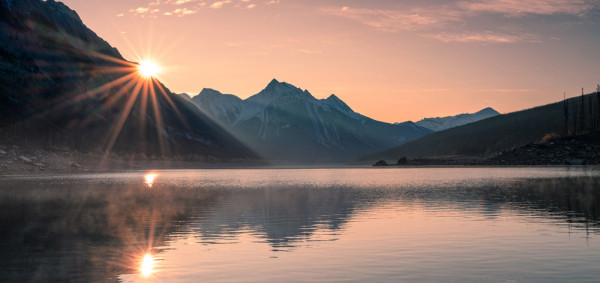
390, 60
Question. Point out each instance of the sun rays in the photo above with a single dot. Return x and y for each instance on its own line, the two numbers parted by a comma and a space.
122, 103
132, 86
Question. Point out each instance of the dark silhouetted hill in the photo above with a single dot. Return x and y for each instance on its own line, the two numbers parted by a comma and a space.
63, 86
444, 123
483, 138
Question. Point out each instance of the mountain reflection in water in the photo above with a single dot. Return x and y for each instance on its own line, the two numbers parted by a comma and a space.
100, 226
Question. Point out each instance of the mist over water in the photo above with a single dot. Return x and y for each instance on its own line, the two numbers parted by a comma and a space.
254, 225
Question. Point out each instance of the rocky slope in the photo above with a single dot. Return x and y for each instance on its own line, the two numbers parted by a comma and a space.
572, 150
288, 124
63, 86
581, 149
481, 139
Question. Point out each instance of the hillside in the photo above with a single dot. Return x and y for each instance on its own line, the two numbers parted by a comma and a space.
483, 138
63, 86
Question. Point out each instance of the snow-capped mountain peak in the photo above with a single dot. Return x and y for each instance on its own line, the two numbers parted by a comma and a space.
444, 123
488, 111
337, 103
210, 92
224, 107
281, 89
288, 123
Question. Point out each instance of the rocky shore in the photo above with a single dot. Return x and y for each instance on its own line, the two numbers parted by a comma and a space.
19, 159
571, 150
15, 159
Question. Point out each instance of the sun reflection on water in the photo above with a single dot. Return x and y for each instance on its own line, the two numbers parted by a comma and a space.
149, 179
146, 267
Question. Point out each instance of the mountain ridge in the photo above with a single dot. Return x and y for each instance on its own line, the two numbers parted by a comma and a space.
443, 123
484, 138
62, 85
282, 118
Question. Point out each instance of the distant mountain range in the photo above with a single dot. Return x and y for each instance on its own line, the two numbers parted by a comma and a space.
444, 123
483, 138
63, 86
283, 122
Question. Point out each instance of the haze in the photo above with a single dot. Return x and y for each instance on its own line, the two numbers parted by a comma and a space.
389, 60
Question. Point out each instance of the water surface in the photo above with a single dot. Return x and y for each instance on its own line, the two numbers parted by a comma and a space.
282, 225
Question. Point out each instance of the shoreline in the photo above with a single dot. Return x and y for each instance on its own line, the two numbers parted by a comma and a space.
15, 160
558, 151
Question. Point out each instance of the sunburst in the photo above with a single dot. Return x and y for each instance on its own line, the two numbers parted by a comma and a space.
125, 85
148, 69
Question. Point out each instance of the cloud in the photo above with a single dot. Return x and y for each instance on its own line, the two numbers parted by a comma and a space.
172, 7
310, 51
483, 37
394, 20
140, 10
519, 8
184, 12
181, 2
271, 2
219, 4
441, 21
182, 8
437, 16
427, 90
172, 2
507, 90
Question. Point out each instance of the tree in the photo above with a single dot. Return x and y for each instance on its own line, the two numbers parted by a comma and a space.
582, 114
566, 115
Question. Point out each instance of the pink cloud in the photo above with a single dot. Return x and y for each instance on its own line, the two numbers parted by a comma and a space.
483, 37
517, 8
393, 20
219, 4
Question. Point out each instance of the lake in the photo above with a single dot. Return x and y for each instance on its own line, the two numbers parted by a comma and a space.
298, 225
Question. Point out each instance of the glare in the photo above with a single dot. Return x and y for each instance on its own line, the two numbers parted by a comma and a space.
149, 179
147, 265
148, 69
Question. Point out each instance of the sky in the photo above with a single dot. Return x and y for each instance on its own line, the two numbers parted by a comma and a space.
393, 61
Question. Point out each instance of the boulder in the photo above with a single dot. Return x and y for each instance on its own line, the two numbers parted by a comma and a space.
25, 159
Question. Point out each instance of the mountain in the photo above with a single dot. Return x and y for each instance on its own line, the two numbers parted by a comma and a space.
63, 86
286, 123
444, 123
483, 138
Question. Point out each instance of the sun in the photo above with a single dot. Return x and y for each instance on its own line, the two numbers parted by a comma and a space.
148, 69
